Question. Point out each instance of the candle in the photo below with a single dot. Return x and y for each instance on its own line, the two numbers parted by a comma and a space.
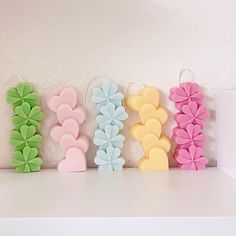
70, 116
110, 121
25, 137
149, 130
188, 134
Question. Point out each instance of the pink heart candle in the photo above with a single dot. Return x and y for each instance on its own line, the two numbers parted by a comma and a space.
67, 133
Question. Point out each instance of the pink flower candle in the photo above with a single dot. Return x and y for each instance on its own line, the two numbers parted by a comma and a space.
188, 135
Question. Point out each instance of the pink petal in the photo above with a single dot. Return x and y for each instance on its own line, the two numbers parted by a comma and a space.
202, 113
192, 151
195, 152
199, 140
187, 87
189, 166
197, 97
183, 119
190, 130
183, 157
180, 92
193, 107
197, 121
200, 166
202, 160
182, 140
196, 130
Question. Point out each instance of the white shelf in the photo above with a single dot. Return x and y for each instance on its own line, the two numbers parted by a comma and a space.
130, 193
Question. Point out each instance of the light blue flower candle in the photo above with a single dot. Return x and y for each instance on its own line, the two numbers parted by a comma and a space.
110, 121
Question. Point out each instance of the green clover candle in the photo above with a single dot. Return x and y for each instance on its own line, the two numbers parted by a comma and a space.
25, 137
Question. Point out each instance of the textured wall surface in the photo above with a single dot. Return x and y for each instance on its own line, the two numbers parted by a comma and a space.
67, 42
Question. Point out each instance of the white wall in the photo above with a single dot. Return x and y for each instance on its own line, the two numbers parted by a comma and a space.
66, 42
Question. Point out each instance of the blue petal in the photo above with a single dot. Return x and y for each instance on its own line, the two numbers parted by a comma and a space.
117, 141
112, 153
103, 121
99, 161
98, 95
106, 168
111, 131
120, 114
109, 89
118, 123
118, 164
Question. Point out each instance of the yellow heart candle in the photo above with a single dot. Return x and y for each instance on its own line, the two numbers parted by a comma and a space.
147, 96
149, 130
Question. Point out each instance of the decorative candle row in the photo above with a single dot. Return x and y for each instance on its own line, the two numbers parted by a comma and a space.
110, 121
25, 137
70, 116
149, 130
188, 134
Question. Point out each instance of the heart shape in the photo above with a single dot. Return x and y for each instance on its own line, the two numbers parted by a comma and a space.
65, 112
151, 141
75, 160
157, 161
148, 111
68, 141
152, 126
66, 96
69, 126
150, 95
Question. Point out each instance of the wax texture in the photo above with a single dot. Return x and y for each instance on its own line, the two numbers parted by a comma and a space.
189, 134
25, 138
70, 116
110, 118
149, 130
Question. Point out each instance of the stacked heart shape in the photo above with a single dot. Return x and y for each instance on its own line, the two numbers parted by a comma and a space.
149, 130
188, 135
70, 116
110, 122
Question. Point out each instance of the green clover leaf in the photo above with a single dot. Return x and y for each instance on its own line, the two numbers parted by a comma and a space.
26, 136
27, 161
27, 116
22, 93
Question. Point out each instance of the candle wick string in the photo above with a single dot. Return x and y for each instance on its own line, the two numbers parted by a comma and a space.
182, 71
18, 76
129, 83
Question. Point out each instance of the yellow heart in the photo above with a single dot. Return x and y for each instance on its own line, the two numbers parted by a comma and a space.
149, 95
157, 161
148, 111
152, 126
151, 141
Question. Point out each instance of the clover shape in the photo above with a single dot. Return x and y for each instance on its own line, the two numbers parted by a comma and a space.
110, 114
192, 114
109, 137
26, 136
192, 159
192, 135
108, 93
27, 116
109, 160
27, 161
22, 93
186, 93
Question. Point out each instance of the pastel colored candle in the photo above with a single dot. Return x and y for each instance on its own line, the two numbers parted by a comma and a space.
189, 134
70, 116
149, 130
110, 118
25, 138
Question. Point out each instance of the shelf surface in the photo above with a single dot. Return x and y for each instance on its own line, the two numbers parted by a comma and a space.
130, 193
